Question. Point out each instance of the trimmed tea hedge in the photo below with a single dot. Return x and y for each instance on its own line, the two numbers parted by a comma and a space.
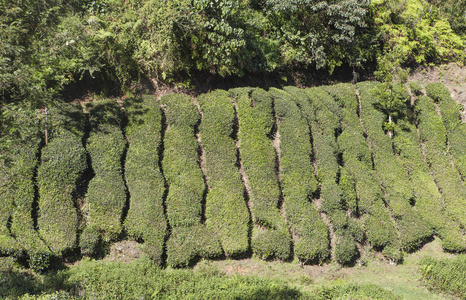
63, 161
17, 168
186, 185
429, 202
361, 190
226, 210
456, 129
106, 194
298, 181
395, 181
270, 237
325, 129
146, 184
433, 135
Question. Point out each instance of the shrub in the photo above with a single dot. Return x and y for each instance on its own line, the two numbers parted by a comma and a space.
256, 126
429, 201
226, 210
189, 238
446, 275
416, 88
146, 185
63, 161
456, 129
433, 135
345, 250
106, 194
393, 177
298, 181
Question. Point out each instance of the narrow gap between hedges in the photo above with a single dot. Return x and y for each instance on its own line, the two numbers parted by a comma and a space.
275, 136
125, 209
201, 160
160, 150
244, 177
35, 201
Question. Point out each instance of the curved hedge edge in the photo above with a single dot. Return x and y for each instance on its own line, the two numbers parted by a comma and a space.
106, 194
256, 130
63, 161
226, 210
146, 185
298, 181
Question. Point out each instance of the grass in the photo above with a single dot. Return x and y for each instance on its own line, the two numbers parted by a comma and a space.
403, 280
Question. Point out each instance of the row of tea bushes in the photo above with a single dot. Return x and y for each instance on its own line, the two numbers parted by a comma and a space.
189, 238
270, 236
434, 137
226, 212
298, 181
17, 171
146, 185
63, 161
429, 201
394, 179
324, 129
358, 180
456, 129
106, 194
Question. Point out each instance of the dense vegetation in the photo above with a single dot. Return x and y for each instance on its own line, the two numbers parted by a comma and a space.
46, 45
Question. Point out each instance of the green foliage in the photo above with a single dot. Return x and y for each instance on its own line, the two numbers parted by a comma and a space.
428, 201
226, 210
433, 135
451, 117
106, 194
270, 236
146, 184
446, 275
189, 239
397, 187
358, 181
413, 33
63, 161
298, 181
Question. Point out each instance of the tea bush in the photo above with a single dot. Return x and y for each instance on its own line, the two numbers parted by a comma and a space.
63, 161
189, 238
270, 236
298, 181
433, 135
393, 177
146, 184
226, 210
106, 194
456, 129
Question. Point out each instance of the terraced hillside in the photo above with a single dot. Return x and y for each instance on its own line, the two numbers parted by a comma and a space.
292, 174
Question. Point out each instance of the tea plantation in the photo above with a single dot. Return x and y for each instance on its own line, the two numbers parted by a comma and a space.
306, 175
